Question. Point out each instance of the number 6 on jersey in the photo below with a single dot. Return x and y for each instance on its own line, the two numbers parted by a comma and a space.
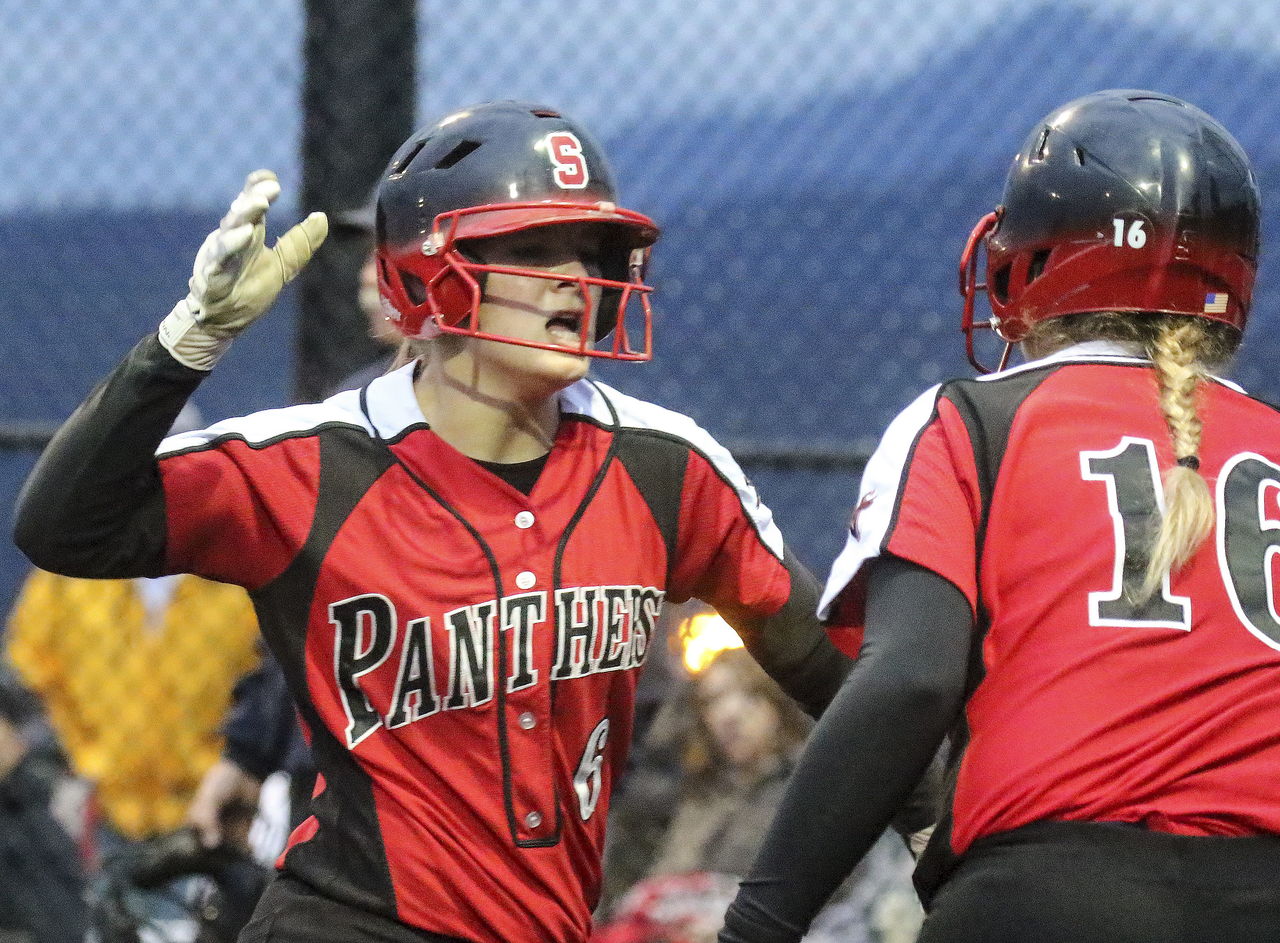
587, 780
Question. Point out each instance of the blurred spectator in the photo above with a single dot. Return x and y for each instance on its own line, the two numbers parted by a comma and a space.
738, 752
262, 737
41, 882
136, 676
360, 222
736, 736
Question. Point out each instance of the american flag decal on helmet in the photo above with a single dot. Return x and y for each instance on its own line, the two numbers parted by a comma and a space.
1215, 303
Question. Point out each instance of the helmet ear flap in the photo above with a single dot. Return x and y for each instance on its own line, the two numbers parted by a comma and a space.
618, 263
453, 295
439, 292
998, 283
607, 316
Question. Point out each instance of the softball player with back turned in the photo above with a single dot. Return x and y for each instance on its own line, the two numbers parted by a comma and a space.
1069, 566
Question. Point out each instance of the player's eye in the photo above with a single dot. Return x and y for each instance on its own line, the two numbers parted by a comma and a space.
537, 255
522, 253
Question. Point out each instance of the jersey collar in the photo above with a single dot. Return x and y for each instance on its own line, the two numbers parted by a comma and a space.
1093, 352
392, 405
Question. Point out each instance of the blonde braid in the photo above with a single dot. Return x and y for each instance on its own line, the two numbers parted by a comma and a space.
1177, 352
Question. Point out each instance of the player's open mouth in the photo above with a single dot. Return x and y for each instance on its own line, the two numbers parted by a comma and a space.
565, 328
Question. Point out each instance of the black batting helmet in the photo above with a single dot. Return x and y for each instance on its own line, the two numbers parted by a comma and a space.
489, 170
1122, 200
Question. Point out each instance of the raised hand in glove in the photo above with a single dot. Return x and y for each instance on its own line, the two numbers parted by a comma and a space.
236, 277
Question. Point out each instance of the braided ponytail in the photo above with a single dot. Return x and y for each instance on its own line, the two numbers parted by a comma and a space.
1183, 350
1178, 353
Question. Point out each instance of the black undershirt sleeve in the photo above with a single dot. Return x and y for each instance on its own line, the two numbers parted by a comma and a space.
866, 754
792, 646
93, 506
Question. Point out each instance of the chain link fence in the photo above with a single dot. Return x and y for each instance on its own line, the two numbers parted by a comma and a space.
816, 166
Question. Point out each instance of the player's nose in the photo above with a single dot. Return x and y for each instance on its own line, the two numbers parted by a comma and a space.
571, 271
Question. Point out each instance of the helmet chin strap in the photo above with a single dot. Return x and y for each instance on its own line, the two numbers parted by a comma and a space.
1004, 357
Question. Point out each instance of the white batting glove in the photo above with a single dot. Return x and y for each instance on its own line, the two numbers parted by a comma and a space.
236, 277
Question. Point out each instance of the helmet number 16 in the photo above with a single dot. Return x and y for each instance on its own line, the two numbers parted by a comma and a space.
1129, 232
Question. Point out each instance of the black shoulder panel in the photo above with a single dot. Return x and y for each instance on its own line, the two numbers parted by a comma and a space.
350, 462
656, 463
988, 408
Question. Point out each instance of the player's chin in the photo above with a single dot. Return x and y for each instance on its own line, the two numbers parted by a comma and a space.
558, 367
573, 364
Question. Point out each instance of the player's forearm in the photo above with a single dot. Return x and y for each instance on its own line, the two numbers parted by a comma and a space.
864, 757
94, 506
852, 778
793, 647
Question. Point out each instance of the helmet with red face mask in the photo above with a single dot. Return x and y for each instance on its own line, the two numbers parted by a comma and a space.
491, 170
1125, 201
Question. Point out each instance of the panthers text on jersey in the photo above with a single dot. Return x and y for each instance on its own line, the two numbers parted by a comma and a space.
464, 655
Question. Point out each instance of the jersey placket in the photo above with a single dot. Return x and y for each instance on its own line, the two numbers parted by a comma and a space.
525, 647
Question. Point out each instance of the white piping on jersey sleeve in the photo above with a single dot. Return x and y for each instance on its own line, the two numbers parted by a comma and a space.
878, 495
588, 398
256, 428
391, 403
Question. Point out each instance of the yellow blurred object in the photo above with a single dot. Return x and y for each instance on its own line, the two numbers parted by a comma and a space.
137, 697
703, 636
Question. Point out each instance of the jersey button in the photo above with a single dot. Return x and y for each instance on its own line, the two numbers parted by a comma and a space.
533, 819
528, 721
525, 580
524, 520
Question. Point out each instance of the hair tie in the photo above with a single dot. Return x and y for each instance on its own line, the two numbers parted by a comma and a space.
1190, 461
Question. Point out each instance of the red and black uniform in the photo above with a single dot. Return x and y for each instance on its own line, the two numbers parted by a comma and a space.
1021, 505
464, 654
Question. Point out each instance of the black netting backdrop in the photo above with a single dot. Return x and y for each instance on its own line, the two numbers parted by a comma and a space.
816, 166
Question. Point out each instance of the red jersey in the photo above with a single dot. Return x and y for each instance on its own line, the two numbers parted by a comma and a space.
465, 655
1035, 491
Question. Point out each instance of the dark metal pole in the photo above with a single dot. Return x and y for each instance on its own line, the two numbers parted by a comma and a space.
358, 106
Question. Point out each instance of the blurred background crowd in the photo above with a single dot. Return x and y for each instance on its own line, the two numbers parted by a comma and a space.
816, 167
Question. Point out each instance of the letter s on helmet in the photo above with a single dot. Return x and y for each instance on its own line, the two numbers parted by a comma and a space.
1122, 200
493, 169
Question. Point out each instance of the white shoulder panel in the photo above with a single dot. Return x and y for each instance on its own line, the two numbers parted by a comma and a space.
878, 495
391, 404
592, 399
